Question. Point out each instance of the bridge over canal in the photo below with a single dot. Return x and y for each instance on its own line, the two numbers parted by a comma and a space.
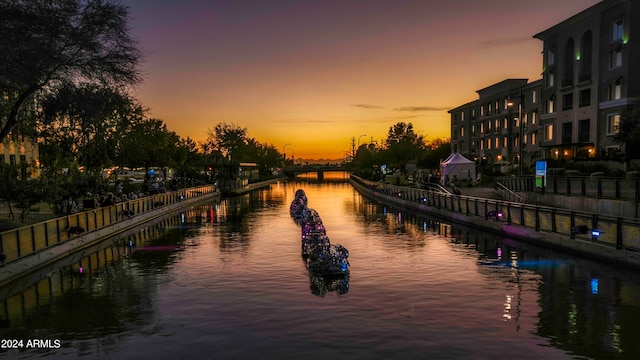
318, 169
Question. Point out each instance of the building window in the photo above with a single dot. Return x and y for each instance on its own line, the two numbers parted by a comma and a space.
615, 57
567, 133
551, 57
585, 97
481, 110
551, 79
504, 142
504, 123
586, 49
616, 30
534, 118
567, 77
534, 97
551, 108
525, 119
515, 141
497, 124
548, 132
567, 101
583, 131
481, 145
497, 140
488, 143
613, 124
615, 90
490, 108
461, 132
533, 138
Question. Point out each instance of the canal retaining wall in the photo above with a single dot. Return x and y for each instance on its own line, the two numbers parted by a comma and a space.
28, 248
616, 239
250, 187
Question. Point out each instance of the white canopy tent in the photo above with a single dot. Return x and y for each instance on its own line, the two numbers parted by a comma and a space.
458, 166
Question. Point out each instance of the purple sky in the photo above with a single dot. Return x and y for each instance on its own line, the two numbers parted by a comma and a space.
314, 74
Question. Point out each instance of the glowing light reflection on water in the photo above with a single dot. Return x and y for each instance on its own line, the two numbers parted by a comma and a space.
230, 283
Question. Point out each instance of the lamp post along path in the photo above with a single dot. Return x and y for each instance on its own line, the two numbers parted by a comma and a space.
284, 154
521, 135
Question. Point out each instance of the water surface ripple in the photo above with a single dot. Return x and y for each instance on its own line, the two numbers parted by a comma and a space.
226, 280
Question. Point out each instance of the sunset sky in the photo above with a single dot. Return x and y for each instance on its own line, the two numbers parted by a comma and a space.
315, 73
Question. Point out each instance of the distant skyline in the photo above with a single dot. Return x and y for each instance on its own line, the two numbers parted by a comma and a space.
314, 74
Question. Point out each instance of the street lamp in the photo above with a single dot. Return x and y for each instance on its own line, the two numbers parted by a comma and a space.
359, 139
293, 156
284, 153
520, 131
520, 135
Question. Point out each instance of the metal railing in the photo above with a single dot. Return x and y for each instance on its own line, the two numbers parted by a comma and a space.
438, 188
507, 194
600, 188
617, 232
29, 218
27, 240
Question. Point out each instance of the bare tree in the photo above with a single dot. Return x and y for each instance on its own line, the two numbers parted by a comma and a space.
46, 44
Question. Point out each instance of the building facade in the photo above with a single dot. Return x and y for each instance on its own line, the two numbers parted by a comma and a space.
22, 151
502, 126
588, 80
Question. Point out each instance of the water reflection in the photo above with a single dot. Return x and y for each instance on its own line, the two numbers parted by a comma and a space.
224, 273
99, 293
321, 285
587, 308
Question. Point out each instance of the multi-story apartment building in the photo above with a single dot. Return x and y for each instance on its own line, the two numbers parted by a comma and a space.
588, 80
502, 125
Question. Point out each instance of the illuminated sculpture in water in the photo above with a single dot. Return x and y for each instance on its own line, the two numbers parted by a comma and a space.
321, 257
298, 204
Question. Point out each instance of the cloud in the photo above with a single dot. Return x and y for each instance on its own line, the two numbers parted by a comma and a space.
367, 106
395, 118
422, 108
342, 120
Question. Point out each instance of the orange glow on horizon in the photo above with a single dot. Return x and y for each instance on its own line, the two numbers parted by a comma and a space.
305, 74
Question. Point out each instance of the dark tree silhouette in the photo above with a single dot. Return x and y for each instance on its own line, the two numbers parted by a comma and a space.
84, 125
629, 131
401, 145
149, 143
45, 44
230, 139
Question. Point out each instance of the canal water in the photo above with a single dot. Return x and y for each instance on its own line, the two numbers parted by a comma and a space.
225, 280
